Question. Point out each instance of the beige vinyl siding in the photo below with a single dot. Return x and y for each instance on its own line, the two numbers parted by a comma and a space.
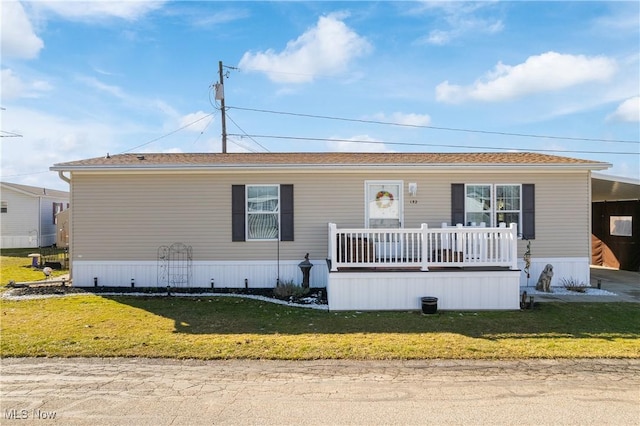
119, 216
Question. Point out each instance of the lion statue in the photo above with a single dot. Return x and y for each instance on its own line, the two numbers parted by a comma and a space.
544, 282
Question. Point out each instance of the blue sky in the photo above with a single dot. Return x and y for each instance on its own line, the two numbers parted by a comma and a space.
83, 79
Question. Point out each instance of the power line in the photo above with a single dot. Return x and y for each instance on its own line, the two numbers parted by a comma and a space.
452, 129
170, 133
6, 134
246, 134
205, 129
426, 144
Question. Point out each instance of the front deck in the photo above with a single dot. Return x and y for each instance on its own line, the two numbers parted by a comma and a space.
466, 268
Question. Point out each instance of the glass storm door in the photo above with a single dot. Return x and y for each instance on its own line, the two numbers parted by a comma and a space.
384, 204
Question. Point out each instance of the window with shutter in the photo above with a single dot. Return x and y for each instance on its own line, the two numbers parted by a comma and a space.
262, 212
493, 204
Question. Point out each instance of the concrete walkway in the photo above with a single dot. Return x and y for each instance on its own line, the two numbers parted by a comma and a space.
625, 285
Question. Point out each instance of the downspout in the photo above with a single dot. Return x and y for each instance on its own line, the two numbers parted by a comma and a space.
64, 178
39, 222
69, 246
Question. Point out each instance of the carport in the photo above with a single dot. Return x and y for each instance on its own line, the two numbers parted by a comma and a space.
615, 222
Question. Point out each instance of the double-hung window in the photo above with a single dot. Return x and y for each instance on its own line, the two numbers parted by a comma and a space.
493, 204
263, 212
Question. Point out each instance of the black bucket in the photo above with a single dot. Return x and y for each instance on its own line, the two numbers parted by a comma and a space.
429, 305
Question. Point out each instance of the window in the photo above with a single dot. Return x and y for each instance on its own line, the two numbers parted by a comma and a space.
4, 207
494, 204
262, 212
621, 226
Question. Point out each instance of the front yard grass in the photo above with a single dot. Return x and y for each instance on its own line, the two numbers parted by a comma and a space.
229, 327
15, 265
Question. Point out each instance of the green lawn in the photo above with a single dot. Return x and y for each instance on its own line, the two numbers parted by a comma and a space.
228, 327
15, 265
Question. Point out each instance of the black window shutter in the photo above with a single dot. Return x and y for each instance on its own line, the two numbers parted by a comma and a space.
286, 213
457, 203
528, 211
237, 213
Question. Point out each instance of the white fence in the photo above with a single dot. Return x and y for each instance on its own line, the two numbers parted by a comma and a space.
457, 246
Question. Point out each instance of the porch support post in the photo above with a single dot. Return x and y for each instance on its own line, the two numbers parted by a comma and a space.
514, 246
333, 246
425, 249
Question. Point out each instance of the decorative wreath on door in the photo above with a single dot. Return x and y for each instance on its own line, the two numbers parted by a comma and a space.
384, 199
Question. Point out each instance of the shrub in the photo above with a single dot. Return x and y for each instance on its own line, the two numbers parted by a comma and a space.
288, 290
573, 284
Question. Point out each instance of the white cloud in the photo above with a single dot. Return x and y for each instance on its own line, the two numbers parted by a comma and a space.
10, 85
18, 37
407, 119
220, 17
627, 111
549, 71
13, 87
460, 19
358, 143
53, 140
128, 100
196, 121
326, 49
92, 10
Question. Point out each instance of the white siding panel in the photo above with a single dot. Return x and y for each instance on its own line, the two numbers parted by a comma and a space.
484, 290
576, 269
260, 274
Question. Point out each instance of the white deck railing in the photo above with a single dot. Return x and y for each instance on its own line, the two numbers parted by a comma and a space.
424, 247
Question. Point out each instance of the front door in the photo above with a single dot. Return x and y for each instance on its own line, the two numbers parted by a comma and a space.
383, 204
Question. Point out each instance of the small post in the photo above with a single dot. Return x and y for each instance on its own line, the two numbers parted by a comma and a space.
424, 229
599, 284
333, 246
305, 266
246, 283
133, 282
95, 281
212, 283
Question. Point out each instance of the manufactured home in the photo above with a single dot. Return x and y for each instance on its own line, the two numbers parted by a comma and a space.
28, 215
382, 230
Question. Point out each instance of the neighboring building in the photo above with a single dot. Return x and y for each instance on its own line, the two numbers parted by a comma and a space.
247, 220
63, 228
27, 215
616, 222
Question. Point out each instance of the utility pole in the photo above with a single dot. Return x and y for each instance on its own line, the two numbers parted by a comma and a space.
220, 95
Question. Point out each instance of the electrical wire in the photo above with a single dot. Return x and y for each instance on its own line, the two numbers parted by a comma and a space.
205, 128
245, 133
452, 129
170, 133
6, 134
302, 138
